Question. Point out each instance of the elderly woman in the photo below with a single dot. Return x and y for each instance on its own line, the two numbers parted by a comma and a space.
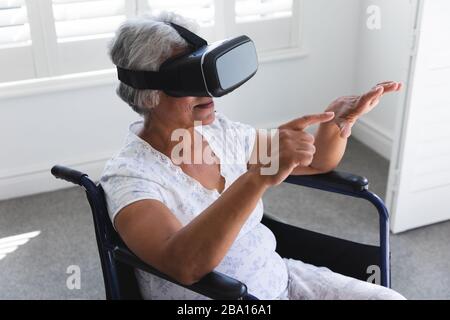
187, 219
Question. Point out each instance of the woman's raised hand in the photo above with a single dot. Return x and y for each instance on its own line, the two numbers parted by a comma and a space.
348, 109
291, 147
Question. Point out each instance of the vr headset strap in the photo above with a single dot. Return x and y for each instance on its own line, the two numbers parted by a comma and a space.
158, 80
189, 36
142, 80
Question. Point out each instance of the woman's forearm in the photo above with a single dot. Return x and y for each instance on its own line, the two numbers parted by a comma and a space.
330, 147
202, 244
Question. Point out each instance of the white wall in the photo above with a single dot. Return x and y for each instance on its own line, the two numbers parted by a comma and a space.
286, 89
383, 55
83, 127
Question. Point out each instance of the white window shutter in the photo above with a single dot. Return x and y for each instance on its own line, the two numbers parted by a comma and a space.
14, 27
87, 18
56, 37
16, 56
83, 31
201, 11
258, 10
272, 24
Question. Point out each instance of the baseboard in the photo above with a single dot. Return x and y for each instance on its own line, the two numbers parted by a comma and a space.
40, 181
373, 137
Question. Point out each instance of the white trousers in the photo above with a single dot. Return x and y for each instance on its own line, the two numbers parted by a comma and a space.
308, 282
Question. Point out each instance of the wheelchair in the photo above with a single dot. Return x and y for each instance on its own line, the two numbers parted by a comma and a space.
343, 256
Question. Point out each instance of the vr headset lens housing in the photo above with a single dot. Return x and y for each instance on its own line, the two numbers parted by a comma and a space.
237, 65
208, 70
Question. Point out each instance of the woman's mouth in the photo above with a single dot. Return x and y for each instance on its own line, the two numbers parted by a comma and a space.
205, 106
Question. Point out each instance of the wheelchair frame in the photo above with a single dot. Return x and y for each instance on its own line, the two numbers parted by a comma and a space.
118, 261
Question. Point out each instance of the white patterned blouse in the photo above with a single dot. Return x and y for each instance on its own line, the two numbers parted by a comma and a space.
140, 172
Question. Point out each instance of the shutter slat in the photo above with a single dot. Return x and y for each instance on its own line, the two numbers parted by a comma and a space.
87, 18
201, 11
70, 1
15, 35
255, 10
177, 4
14, 27
7, 4
84, 9
88, 27
13, 17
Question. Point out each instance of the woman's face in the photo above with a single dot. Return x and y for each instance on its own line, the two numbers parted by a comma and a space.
186, 110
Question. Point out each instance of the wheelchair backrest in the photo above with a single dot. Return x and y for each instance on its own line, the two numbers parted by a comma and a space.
120, 280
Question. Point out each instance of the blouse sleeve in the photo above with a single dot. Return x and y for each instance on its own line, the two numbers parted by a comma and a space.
123, 189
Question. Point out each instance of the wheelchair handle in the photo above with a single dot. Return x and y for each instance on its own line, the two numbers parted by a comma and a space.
70, 175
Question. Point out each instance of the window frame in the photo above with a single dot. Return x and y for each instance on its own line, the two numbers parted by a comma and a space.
49, 78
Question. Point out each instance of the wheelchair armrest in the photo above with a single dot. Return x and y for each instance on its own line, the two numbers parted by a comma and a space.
70, 175
358, 187
214, 285
332, 181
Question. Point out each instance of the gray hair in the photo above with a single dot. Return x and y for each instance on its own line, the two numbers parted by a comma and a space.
144, 43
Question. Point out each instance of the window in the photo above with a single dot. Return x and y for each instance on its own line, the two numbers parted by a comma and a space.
269, 23
82, 30
15, 41
257, 10
75, 19
48, 38
200, 10
14, 27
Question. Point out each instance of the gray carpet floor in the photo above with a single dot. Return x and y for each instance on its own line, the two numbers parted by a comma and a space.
38, 268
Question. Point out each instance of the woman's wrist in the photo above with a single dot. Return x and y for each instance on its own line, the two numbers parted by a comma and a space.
256, 179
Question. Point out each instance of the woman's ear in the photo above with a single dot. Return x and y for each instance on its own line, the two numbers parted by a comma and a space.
161, 98
162, 95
